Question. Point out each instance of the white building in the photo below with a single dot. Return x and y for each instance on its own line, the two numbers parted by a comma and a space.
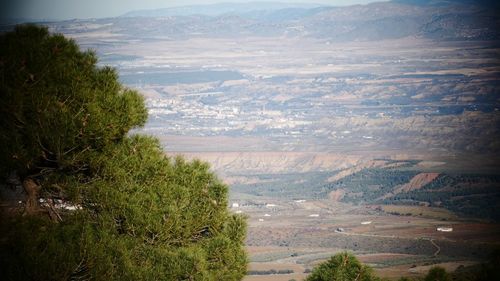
445, 229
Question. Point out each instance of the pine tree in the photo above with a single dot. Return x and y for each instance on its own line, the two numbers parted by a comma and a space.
342, 267
98, 203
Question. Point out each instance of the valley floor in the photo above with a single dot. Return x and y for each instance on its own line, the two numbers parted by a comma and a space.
291, 237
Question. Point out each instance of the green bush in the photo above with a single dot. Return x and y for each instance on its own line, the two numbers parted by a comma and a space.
342, 267
140, 215
437, 274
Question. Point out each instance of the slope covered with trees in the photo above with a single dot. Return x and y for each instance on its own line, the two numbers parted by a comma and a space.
82, 198
471, 195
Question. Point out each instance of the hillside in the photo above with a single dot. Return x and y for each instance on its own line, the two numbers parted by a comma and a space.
468, 195
450, 20
221, 9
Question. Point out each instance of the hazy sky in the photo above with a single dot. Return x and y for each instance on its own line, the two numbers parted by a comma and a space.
67, 9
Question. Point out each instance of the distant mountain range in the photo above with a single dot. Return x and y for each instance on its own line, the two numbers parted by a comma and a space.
265, 9
221, 9
487, 3
434, 19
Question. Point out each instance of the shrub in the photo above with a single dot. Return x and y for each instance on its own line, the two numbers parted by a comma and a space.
341, 267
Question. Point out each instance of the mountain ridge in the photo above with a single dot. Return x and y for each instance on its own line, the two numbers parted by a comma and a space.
259, 8
374, 21
219, 9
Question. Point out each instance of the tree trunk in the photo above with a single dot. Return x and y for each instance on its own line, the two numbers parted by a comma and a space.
32, 189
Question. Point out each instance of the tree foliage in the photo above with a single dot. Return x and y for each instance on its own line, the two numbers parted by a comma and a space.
135, 213
56, 104
342, 267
